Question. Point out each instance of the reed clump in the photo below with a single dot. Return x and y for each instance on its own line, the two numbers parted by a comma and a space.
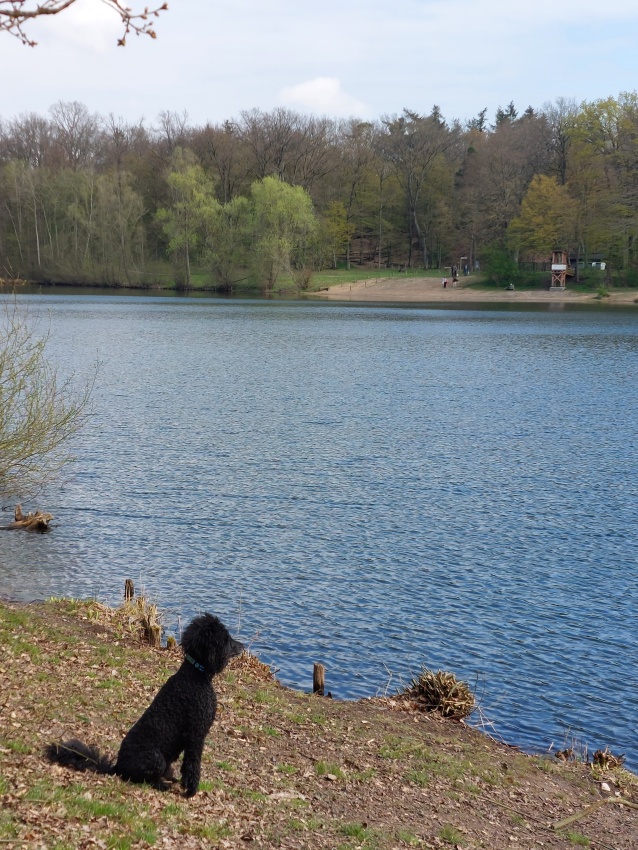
143, 618
442, 692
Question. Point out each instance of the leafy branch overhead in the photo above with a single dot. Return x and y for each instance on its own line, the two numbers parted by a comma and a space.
15, 14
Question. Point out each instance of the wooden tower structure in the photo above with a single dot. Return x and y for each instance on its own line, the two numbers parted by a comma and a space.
559, 270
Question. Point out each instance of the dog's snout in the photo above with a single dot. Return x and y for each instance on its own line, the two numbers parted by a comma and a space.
237, 648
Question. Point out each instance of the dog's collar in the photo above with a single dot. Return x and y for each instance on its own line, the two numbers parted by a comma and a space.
195, 664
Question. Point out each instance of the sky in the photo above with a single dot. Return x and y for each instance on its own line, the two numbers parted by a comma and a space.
212, 59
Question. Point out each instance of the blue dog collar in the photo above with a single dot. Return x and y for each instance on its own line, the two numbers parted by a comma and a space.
195, 664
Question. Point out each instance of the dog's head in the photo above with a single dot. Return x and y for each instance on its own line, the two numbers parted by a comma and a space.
208, 642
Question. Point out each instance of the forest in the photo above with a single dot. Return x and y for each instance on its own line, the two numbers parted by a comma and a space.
271, 197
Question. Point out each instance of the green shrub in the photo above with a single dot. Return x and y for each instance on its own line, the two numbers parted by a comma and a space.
499, 267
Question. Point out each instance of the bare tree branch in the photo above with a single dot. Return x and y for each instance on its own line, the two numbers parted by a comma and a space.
14, 14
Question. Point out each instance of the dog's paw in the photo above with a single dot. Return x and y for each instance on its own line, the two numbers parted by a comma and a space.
189, 784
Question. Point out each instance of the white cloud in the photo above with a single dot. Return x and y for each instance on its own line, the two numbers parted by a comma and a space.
323, 96
216, 59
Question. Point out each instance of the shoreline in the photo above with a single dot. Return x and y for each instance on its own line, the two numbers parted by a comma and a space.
415, 290
280, 767
134, 631
427, 289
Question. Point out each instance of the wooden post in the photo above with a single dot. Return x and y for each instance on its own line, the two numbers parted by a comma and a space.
318, 679
129, 590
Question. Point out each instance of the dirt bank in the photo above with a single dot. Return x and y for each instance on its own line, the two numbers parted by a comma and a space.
427, 289
280, 768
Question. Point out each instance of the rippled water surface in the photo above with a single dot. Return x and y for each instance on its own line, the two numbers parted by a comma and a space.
370, 487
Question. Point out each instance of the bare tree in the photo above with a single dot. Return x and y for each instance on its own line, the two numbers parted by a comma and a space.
270, 137
221, 151
16, 14
39, 413
75, 132
561, 117
172, 132
27, 138
119, 140
293, 147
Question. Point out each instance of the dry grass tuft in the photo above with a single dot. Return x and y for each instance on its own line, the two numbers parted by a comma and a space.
251, 664
137, 618
441, 692
606, 760
149, 619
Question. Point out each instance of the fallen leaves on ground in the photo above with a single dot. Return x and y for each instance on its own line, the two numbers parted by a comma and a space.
280, 768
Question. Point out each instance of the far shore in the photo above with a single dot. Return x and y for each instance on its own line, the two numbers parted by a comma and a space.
428, 289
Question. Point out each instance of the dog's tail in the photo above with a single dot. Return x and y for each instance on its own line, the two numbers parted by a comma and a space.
80, 756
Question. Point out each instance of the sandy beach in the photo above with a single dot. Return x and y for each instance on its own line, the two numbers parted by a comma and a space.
428, 289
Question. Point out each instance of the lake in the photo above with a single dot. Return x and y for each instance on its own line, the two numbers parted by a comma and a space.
372, 487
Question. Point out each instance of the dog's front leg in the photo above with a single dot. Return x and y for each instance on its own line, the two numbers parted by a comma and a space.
191, 767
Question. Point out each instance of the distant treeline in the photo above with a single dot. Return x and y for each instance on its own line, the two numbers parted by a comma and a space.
274, 195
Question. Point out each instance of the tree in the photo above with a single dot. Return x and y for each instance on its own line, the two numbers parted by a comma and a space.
496, 174
338, 229
15, 14
499, 266
284, 144
561, 117
189, 219
117, 236
220, 149
284, 225
508, 114
547, 217
480, 122
412, 144
231, 237
39, 413
27, 138
605, 141
74, 132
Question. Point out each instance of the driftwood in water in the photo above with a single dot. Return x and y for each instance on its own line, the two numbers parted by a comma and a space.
38, 521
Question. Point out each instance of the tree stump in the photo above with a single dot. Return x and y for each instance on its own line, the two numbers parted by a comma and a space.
154, 635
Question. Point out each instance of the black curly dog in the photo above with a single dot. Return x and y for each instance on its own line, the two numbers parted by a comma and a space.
177, 721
